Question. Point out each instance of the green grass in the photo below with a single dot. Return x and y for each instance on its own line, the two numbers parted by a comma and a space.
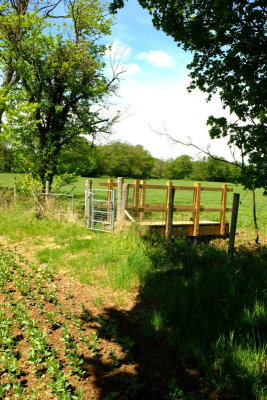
210, 199
213, 314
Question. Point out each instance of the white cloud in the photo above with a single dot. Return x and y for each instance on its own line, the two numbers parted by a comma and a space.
158, 58
167, 103
132, 69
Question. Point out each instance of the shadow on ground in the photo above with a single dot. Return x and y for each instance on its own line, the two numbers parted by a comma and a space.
198, 328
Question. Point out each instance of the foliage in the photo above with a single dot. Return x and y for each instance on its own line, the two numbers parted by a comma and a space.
60, 90
228, 41
158, 169
210, 169
178, 168
124, 159
80, 157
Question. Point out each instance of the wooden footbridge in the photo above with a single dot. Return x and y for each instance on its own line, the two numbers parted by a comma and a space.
132, 204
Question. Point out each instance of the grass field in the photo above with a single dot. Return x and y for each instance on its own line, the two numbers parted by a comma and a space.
210, 199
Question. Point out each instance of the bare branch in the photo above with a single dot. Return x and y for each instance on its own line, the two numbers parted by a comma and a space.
189, 143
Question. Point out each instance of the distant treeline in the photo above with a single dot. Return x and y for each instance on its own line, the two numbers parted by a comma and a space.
124, 159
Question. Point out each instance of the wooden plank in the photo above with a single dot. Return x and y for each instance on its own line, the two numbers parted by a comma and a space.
148, 186
107, 183
142, 198
212, 189
197, 209
223, 209
129, 216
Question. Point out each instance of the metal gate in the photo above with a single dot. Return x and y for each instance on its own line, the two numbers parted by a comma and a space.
101, 210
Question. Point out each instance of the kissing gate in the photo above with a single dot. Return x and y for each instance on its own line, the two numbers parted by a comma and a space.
100, 209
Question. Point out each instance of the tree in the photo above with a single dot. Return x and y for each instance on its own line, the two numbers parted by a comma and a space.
79, 158
178, 168
124, 159
59, 90
158, 168
228, 41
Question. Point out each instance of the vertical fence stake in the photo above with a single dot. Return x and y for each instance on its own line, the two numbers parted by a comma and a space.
47, 194
196, 208
231, 244
15, 190
170, 214
110, 187
142, 198
223, 209
124, 200
119, 197
169, 210
136, 195
88, 187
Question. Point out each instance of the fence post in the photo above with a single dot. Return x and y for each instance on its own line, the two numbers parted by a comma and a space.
169, 210
143, 198
196, 208
136, 195
231, 244
15, 190
88, 187
124, 200
119, 196
110, 187
223, 209
47, 202
168, 231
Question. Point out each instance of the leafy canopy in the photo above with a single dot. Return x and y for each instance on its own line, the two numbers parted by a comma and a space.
58, 89
228, 41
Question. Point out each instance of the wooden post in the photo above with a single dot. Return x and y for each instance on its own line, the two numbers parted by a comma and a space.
197, 208
110, 187
169, 220
124, 199
231, 244
143, 198
168, 199
136, 195
15, 190
119, 196
87, 211
194, 201
47, 194
223, 209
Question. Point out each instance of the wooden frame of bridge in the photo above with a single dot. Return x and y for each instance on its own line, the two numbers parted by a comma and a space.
193, 227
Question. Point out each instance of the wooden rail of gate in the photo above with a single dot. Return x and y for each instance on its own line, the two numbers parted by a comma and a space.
138, 206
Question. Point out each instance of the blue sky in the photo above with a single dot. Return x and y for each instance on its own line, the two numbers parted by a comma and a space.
153, 90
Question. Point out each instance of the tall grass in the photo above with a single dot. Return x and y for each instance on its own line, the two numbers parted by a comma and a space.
215, 314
